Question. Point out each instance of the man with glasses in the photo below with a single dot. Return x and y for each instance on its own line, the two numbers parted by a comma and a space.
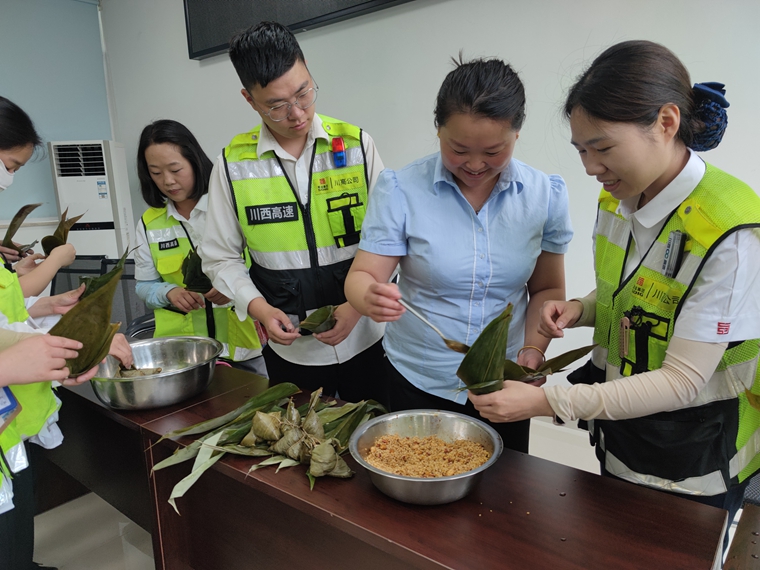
293, 193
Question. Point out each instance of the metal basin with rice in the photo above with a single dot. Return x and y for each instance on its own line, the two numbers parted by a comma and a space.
187, 368
449, 426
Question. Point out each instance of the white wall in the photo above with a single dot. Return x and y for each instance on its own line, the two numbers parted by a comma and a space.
382, 71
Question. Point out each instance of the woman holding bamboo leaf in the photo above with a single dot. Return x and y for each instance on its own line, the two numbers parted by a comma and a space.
29, 362
472, 230
673, 388
174, 176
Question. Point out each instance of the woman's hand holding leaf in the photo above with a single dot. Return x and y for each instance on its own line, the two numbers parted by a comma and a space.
185, 300
346, 318
10, 255
516, 401
278, 325
557, 316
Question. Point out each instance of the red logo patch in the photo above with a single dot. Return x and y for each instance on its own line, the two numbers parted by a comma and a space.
723, 328
640, 282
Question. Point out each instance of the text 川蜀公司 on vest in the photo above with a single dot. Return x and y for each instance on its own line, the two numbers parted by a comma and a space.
300, 253
38, 402
714, 441
169, 245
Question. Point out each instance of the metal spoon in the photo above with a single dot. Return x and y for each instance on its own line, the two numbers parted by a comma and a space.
452, 344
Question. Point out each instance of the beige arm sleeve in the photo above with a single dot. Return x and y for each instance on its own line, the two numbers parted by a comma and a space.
687, 368
588, 316
9, 338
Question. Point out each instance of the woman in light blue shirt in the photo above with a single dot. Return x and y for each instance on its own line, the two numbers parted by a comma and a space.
471, 229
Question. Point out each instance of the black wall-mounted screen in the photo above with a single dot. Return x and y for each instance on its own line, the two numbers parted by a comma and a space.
211, 23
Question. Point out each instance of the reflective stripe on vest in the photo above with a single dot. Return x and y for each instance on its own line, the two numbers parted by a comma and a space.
169, 245
37, 400
300, 253
651, 302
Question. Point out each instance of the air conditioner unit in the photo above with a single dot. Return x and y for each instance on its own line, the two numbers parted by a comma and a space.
90, 178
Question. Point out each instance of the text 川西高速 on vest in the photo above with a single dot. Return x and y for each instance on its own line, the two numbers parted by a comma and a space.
714, 441
300, 253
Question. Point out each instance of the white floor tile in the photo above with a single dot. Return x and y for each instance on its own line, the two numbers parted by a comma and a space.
88, 533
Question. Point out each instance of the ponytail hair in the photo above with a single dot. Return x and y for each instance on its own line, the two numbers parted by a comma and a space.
631, 81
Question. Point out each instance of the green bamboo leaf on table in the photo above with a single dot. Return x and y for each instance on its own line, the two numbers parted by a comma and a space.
207, 457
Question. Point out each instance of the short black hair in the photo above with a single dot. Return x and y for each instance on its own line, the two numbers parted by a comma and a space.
171, 132
16, 128
263, 53
487, 88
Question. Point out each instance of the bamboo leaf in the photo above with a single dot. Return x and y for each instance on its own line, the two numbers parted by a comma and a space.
207, 456
15, 224
274, 460
287, 463
181, 455
558, 363
513, 371
321, 320
273, 394
192, 274
61, 234
312, 480
247, 451
484, 362
343, 431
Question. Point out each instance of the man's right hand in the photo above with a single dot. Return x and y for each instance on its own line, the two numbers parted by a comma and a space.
278, 325
37, 359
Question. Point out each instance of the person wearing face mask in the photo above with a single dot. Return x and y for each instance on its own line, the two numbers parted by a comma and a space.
471, 229
672, 392
174, 173
293, 192
29, 361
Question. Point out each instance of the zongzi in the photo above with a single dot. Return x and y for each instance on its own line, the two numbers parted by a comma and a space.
61, 234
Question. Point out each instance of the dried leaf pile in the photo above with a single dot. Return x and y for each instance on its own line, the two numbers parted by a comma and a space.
270, 425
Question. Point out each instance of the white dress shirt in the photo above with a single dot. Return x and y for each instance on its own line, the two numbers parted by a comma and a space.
224, 242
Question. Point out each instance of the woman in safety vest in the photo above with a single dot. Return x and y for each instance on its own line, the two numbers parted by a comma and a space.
174, 174
29, 361
471, 229
671, 393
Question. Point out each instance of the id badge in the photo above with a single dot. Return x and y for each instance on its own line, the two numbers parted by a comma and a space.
9, 408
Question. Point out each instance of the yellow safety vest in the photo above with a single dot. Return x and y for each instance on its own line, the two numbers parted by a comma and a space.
300, 253
169, 245
714, 441
37, 400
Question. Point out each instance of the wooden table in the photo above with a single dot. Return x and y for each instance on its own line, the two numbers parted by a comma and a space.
525, 513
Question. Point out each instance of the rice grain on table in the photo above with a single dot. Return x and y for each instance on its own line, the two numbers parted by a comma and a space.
428, 456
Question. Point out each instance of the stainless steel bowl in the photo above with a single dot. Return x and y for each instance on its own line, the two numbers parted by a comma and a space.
187, 368
449, 426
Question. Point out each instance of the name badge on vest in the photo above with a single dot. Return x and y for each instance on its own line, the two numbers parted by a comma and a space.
272, 213
171, 244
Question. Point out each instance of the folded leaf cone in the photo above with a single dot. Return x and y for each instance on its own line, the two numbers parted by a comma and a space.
482, 368
15, 224
89, 322
61, 234
193, 276
320, 321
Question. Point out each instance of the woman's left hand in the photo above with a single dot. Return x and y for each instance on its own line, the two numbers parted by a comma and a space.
516, 401
27, 264
346, 318
216, 297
